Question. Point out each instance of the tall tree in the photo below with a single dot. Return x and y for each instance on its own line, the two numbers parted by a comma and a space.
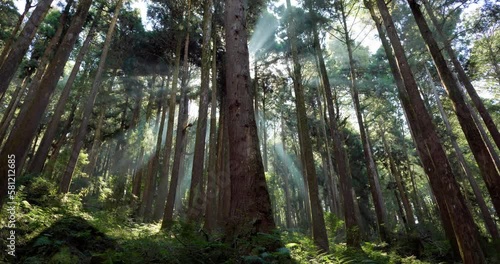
318, 222
477, 145
432, 154
250, 205
196, 191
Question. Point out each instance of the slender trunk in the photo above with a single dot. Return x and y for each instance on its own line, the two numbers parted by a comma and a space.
196, 191
180, 139
369, 162
17, 143
318, 221
163, 185
20, 47
477, 145
250, 205
87, 112
452, 205
211, 198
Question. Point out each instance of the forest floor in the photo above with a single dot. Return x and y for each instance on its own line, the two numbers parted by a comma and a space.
52, 229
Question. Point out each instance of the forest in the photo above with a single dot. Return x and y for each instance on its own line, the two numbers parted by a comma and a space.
237, 131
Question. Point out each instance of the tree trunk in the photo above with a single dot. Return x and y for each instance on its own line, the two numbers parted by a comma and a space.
250, 205
489, 223
432, 154
87, 112
180, 139
163, 185
25, 128
196, 191
8, 115
211, 198
20, 47
318, 221
369, 163
477, 145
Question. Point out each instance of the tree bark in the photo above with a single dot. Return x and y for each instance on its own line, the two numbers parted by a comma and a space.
250, 205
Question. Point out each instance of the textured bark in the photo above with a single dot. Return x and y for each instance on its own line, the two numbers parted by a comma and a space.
488, 220
87, 112
36, 165
318, 222
250, 205
20, 47
211, 198
196, 191
452, 205
477, 145
464, 79
163, 184
25, 128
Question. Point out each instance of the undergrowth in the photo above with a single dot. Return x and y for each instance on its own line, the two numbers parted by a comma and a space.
58, 229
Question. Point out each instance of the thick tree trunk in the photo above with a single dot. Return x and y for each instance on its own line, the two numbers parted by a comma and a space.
318, 221
250, 205
8, 115
20, 47
196, 191
36, 165
452, 205
477, 145
87, 112
25, 128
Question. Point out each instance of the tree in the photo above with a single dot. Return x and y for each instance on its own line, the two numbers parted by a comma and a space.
250, 206
432, 153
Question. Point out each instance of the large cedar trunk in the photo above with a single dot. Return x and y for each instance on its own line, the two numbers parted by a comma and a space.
452, 206
250, 205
